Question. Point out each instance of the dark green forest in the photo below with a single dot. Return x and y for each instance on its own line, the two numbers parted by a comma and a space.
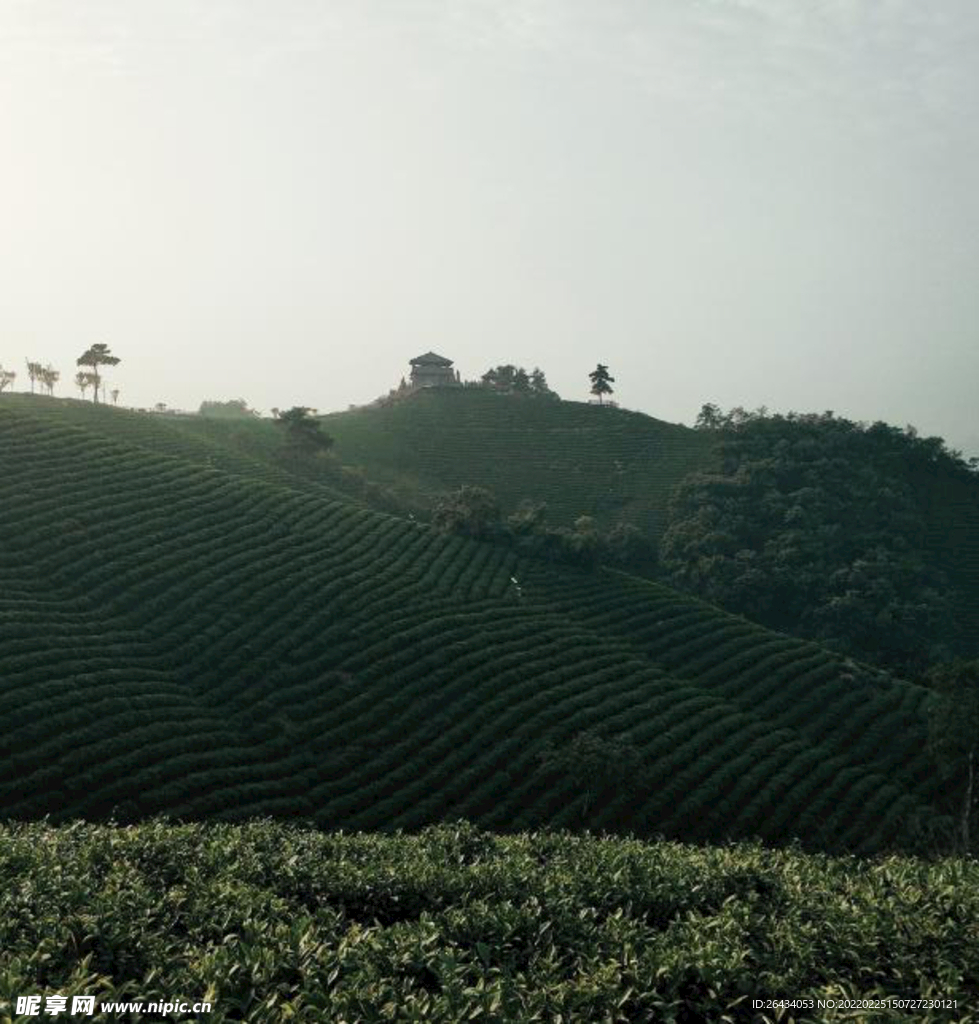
819, 526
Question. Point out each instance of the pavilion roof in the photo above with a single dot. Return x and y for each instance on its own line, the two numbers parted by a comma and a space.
431, 359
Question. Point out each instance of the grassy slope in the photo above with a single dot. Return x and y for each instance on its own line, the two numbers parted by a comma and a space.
176, 637
272, 924
581, 459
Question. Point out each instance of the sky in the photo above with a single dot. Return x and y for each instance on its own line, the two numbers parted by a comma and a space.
748, 202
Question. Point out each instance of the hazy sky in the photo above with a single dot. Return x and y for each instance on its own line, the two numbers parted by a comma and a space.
741, 201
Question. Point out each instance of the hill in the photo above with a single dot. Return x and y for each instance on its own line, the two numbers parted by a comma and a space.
247, 447
270, 923
182, 638
616, 466
581, 459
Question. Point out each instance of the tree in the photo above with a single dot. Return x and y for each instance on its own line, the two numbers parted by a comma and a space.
515, 380
501, 378
528, 520
304, 432
234, 408
35, 373
601, 382
539, 386
49, 377
7, 378
953, 734
629, 548
471, 511
595, 764
709, 417
584, 541
95, 356
85, 380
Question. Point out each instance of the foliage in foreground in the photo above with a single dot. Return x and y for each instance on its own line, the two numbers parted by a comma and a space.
273, 923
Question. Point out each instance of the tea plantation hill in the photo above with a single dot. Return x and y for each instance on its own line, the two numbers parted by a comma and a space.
197, 635
584, 459
580, 459
246, 447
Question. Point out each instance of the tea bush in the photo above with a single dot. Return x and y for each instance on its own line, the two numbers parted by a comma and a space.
271, 923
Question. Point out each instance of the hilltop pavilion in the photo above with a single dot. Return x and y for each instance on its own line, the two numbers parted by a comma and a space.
432, 370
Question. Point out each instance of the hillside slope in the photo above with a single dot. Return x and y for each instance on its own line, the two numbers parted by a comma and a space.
581, 459
178, 638
615, 465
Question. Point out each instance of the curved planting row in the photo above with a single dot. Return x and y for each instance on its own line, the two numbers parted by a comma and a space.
250, 449
852, 711
177, 638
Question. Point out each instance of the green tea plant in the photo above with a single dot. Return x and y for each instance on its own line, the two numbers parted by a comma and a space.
269, 922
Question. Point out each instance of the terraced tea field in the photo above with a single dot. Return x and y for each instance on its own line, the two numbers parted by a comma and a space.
197, 637
249, 448
581, 459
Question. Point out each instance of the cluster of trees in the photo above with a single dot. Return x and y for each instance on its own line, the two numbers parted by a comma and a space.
47, 376
921, 451
813, 525
475, 512
515, 380
94, 357
596, 764
234, 408
305, 435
